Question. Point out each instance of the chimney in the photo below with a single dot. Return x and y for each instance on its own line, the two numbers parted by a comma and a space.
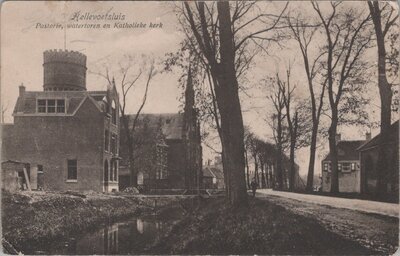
367, 136
21, 89
338, 137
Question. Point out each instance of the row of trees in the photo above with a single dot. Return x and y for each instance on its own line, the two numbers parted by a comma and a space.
224, 38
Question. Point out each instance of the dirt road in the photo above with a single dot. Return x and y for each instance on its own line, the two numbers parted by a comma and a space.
378, 232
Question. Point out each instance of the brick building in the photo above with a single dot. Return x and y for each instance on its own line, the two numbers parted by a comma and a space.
348, 166
69, 134
167, 149
370, 169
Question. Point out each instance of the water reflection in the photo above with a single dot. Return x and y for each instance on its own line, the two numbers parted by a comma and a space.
129, 237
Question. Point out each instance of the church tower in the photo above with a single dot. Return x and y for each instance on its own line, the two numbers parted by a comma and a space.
193, 155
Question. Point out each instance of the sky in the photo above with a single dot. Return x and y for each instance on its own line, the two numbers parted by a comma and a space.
23, 45
23, 41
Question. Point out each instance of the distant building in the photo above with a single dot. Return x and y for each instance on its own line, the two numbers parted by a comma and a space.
167, 149
69, 134
348, 166
213, 175
369, 163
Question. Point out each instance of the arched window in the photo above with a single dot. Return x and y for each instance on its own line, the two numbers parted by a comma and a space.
140, 178
106, 171
115, 171
111, 171
113, 113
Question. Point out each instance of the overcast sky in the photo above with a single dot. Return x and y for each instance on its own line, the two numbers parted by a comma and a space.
23, 43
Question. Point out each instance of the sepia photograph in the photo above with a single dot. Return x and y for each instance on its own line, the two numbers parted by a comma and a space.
199, 127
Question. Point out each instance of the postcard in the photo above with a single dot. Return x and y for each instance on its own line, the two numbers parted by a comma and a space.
199, 128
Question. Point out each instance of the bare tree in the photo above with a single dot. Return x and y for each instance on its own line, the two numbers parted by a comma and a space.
303, 32
384, 17
277, 97
347, 37
292, 121
128, 79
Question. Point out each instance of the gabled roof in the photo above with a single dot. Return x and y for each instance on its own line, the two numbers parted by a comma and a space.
347, 150
213, 172
393, 135
171, 123
26, 104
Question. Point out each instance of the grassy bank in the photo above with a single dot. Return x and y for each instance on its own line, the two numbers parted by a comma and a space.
212, 227
29, 217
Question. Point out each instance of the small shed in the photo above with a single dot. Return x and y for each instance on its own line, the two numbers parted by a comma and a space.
17, 176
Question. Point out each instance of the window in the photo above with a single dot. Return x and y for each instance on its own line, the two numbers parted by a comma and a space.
60, 106
107, 141
40, 168
51, 106
353, 166
327, 167
111, 171
162, 170
72, 169
115, 171
339, 167
42, 106
114, 144
346, 167
113, 113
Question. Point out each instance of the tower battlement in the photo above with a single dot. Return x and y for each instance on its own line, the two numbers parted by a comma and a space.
64, 70
59, 55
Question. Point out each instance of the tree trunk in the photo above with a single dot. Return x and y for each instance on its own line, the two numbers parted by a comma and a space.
311, 163
230, 110
293, 139
256, 176
292, 166
129, 144
385, 93
279, 169
333, 153
262, 174
247, 169
267, 175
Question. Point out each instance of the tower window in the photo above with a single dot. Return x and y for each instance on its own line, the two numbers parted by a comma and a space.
114, 144
113, 113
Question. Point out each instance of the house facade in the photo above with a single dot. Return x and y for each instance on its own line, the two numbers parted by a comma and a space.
69, 134
369, 163
167, 152
348, 166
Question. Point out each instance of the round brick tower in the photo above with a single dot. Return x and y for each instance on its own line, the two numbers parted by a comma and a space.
64, 70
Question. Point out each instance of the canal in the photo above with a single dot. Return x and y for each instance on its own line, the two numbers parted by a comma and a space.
132, 236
